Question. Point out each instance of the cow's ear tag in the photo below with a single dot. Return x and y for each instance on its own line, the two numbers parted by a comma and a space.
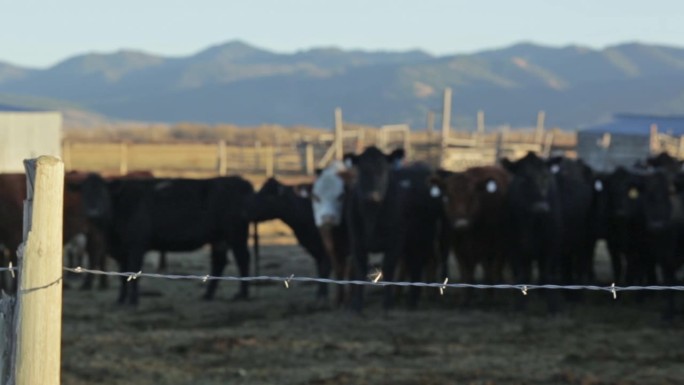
491, 186
598, 185
555, 168
633, 193
435, 192
303, 193
348, 163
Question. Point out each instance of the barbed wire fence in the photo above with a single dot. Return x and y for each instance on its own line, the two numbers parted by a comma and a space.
374, 280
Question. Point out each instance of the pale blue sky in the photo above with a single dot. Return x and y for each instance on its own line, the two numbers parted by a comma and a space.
40, 33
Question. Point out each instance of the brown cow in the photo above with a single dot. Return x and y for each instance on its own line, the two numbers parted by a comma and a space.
474, 203
12, 195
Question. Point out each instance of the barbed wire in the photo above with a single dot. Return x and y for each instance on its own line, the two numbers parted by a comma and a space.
375, 280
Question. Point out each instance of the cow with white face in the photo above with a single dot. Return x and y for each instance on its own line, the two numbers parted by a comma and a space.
328, 197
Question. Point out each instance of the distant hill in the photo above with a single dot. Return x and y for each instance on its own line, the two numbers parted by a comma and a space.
239, 83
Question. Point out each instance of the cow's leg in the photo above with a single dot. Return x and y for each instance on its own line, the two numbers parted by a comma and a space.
162, 261
415, 264
241, 253
360, 272
341, 268
444, 243
393, 255
324, 269
123, 289
331, 242
615, 261
135, 265
92, 250
219, 259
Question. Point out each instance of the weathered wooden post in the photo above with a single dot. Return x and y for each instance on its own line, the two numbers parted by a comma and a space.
480, 127
39, 296
680, 148
605, 146
430, 124
654, 140
222, 158
339, 134
270, 161
309, 152
123, 158
539, 132
66, 154
446, 122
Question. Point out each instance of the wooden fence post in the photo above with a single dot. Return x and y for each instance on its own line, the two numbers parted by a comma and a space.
270, 161
309, 159
654, 140
66, 154
480, 127
39, 296
222, 158
539, 132
446, 122
339, 134
123, 158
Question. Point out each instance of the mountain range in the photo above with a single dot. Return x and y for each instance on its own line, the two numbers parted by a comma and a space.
238, 83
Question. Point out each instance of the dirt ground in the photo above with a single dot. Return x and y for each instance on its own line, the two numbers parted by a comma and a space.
282, 336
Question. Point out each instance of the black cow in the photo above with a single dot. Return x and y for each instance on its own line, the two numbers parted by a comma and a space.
388, 210
422, 223
575, 184
621, 188
172, 215
292, 205
535, 219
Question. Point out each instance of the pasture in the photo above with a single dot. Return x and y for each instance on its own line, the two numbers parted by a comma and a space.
282, 336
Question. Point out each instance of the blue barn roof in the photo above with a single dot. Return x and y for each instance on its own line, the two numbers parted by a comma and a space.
640, 125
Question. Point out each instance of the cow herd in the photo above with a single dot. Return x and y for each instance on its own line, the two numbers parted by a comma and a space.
525, 221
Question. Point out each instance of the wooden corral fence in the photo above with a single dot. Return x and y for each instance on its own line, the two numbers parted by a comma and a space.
202, 159
453, 149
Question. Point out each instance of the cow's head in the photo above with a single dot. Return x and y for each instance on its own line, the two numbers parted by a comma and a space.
96, 197
623, 190
656, 204
328, 195
534, 183
273, 200
465, 194
665, 162
371, 173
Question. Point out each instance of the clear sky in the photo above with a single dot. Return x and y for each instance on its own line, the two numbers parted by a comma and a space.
40, 33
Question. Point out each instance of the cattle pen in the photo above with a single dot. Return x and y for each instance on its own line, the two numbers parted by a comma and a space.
285, 333
277, 337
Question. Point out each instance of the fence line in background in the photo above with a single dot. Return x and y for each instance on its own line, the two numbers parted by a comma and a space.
524, 288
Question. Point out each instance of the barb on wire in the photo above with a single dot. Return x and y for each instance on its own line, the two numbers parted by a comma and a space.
524, 288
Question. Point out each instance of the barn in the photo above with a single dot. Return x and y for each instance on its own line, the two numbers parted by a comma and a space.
629, 138
27, 133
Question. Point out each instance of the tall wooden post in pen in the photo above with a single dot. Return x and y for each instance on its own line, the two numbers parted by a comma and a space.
222, 157
446, 122
339, 135
39, 296
123, 158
